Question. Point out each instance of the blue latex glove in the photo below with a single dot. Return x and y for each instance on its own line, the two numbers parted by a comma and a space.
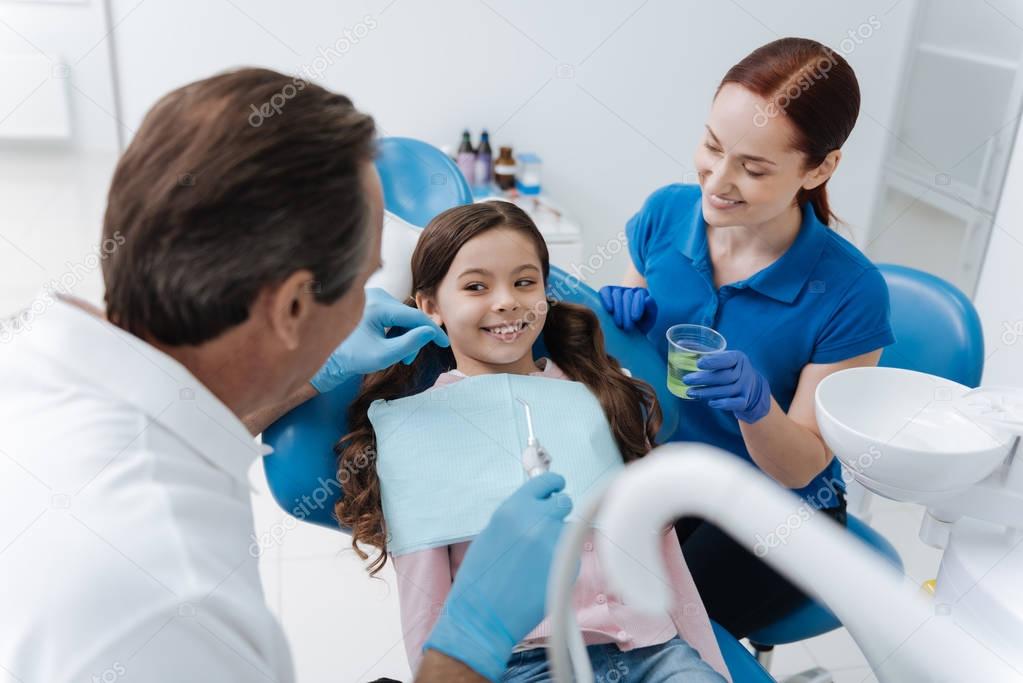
367, 349
729, 381
500, 591
632, 307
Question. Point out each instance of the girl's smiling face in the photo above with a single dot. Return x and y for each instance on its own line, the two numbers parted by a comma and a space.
491, 303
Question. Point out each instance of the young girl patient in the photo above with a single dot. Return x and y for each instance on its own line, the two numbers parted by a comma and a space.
480, 272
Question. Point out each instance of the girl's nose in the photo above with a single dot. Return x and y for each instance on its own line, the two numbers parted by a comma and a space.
506, 302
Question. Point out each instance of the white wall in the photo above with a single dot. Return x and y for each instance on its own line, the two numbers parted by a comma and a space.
612, 95
999, 297
52, 193
72, 34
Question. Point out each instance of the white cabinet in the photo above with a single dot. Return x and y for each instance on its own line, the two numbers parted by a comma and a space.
560, 231
955, 121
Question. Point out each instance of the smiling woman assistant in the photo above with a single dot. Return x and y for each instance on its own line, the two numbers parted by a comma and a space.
750, 253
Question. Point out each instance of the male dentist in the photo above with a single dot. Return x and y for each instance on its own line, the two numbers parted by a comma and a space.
238, 258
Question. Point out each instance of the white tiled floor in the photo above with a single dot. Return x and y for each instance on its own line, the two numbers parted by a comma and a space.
342, 625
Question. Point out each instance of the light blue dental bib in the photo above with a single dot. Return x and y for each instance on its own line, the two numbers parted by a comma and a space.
446, 458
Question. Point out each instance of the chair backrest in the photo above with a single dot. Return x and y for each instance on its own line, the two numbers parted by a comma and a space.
302, 471
937, 329
419, 180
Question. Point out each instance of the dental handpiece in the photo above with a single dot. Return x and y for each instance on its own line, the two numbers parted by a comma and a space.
535, 460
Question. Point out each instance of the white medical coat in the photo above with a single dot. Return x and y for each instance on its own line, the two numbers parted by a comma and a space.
126, 536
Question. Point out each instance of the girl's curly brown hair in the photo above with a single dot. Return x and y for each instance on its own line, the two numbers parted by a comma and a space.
571, 333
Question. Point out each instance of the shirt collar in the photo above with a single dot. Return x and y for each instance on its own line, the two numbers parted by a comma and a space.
545, 367
783, 279
146, 379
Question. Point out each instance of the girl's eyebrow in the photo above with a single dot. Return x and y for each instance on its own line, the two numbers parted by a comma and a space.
484, 271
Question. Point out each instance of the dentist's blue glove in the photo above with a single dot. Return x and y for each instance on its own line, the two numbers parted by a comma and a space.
730, 382
367, 349
501, 588
632, 307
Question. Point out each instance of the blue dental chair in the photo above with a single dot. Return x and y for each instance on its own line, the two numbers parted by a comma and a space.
420, 181
937, 329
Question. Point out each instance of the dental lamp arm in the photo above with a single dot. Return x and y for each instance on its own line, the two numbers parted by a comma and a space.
896, 628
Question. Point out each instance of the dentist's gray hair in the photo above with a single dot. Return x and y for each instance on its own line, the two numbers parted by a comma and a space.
232, 184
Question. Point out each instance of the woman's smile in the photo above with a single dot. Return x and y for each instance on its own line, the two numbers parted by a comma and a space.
724, 203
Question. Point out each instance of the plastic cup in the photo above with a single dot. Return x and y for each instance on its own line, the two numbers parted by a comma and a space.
686, 345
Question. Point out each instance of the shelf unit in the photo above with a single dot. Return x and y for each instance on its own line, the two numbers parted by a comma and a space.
961, 91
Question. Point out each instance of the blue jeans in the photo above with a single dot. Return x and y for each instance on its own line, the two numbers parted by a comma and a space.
671, 662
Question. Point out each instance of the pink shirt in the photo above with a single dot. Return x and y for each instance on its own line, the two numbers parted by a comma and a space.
425, 577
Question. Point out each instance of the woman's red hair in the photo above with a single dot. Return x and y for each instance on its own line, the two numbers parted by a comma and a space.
816, 89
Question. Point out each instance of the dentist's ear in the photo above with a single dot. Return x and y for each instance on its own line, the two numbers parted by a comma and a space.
287, 307
819, 175
428, 306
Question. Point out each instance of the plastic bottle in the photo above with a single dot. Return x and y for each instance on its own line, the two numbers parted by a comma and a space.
466, 159
484, 161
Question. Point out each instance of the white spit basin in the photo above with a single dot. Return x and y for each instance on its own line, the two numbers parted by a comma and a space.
902, 435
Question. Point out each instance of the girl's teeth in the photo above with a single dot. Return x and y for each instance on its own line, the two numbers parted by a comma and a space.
506, 333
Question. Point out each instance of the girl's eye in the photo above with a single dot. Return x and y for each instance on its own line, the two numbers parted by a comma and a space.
472, 286
712, 148
525, 282
754, 174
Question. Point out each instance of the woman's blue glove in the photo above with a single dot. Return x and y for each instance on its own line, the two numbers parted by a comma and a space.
501, 587
632, 307
730, 382
367, 349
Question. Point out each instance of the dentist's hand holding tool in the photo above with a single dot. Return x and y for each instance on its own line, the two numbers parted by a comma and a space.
500, 591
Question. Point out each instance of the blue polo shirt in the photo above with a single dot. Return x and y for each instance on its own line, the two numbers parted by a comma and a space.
822, 301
